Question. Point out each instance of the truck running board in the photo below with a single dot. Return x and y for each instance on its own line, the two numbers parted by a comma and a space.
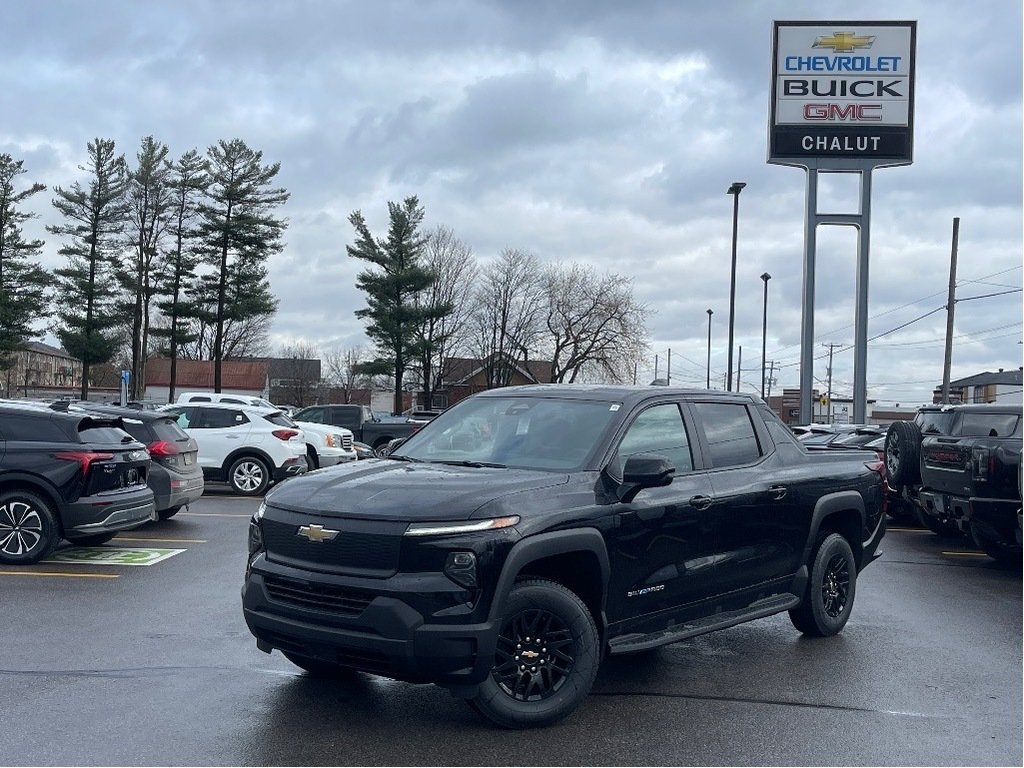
758, 610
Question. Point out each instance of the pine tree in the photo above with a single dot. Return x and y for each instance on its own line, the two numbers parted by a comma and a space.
187, 183
95, 219
149, 199
23, 283
239, 233
393, 313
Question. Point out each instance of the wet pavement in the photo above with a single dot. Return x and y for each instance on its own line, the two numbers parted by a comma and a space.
104, 664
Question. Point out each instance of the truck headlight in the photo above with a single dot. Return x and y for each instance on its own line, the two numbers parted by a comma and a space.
461, 526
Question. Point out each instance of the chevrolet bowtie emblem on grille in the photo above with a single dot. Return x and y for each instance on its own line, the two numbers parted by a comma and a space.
844, 42
317, 533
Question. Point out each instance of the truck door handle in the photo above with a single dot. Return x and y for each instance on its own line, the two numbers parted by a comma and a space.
700, 502
777, 492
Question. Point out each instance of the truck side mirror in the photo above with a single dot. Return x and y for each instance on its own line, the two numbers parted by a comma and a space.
644, 470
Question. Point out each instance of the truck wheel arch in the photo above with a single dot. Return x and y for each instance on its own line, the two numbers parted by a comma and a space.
840, 512
545, 548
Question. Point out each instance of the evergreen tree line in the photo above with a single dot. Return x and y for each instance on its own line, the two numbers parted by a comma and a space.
429, 300
164, 257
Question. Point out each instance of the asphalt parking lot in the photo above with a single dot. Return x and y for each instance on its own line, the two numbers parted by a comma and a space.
125, 664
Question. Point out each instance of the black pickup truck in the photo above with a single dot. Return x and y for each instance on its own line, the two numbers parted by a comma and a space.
970, 477
360, 420
527, 532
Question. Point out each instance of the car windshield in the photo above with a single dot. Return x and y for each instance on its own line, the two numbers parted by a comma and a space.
529, 433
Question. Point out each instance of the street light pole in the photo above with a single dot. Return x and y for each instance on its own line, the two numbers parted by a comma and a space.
764, 329
734, 190
710, 313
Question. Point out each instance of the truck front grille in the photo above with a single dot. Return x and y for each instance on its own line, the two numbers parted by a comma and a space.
365, 548
340, 601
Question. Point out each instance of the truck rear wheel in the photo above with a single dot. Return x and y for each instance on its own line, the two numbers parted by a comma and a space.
547, 658
831, 588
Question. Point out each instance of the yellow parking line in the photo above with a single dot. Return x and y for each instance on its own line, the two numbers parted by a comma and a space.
212, 514
966, 554
169, 541
57, 573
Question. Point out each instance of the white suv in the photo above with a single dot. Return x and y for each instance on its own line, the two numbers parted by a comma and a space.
326, 445
246, 446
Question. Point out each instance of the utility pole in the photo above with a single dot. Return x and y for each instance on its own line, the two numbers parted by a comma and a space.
655, 367
634, 374
829, 396
739, 368
950, 304
771, 375
669, 367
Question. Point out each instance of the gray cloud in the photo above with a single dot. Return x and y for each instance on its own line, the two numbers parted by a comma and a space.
596, 131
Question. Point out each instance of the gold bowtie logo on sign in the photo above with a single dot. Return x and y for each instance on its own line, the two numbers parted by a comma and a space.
844, 42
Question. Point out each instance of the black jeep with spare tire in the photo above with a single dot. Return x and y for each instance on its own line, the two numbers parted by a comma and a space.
527, 532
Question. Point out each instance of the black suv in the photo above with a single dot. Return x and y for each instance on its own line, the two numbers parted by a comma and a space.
175, 475
526, 532
70, 475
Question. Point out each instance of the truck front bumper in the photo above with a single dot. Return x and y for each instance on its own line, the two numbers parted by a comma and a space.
367, 624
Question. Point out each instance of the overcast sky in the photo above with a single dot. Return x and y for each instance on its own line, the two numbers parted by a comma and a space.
600, 132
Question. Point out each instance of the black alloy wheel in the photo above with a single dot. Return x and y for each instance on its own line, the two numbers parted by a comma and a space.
831, 588
535, 655
546, 657
903, 453
28, 528
835, 588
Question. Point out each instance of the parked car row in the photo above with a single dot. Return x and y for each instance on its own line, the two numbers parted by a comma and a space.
75, 475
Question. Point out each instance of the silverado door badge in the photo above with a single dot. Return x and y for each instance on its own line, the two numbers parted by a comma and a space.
317, 533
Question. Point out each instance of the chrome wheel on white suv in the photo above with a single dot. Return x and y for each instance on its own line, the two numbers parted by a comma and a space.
249, 476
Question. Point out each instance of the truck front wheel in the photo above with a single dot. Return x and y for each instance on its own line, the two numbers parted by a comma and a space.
547, 658
831, 588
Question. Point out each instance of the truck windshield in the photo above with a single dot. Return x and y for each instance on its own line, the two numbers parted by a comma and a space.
529, 433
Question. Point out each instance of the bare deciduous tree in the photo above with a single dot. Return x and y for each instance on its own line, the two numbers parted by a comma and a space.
508, 314
299, 373
439, 335
342, 371
596, 329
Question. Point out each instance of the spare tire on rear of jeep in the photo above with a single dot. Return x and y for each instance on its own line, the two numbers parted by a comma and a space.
903, 453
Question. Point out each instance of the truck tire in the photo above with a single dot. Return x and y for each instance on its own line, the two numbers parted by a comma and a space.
28, 528
903, 453
831, 588
547, 659
995, 546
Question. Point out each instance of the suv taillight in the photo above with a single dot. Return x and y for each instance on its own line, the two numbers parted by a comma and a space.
163, 448
284, 434
84, 458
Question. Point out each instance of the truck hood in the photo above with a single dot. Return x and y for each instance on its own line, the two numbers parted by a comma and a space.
385, 489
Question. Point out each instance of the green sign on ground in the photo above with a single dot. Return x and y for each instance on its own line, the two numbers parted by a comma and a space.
112, 555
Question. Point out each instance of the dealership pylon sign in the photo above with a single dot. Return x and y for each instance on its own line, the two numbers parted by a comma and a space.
842, 102
843, 89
